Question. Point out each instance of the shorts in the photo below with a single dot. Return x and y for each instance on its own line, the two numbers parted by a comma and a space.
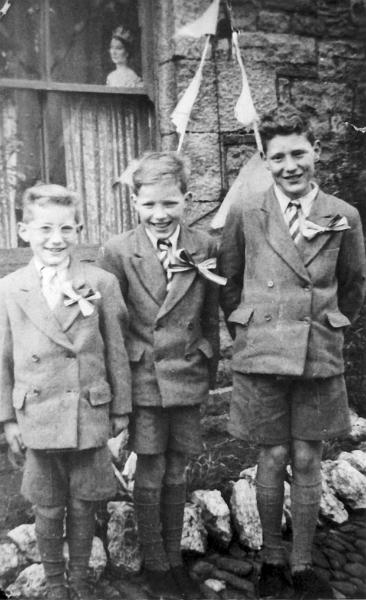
51, 478
154, 430
272, 410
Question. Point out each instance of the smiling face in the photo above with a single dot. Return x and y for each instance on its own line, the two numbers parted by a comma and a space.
291, 160
118, 52
161, 207
52, 232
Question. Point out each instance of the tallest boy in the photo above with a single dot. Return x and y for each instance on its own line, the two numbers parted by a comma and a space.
295, 262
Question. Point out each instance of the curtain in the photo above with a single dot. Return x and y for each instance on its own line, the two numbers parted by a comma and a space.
102, 134
9, 146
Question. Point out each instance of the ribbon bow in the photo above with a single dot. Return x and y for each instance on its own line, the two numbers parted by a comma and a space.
337, 223
85, 306
186, 263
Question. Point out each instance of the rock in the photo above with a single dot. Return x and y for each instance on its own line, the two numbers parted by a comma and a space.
202, 569
242, 568
346, 588
194, 535
324, 573
337, 560
250, 473
117, 444
123, 543
358, 427
356, 458
330, 506
245, 514
98, 558
11, 560
354, 557
215, 584
355, 570
30, 583
215, 514
347, 483
319, 559
24, 536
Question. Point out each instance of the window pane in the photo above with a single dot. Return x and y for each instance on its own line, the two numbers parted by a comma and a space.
20, 40
80, 38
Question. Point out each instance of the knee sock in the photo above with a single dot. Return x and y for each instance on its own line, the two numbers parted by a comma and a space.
49, 534
80, 526
172, 513
270, 508
305, 502
147, 508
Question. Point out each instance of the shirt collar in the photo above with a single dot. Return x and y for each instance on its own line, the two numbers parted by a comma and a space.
306, 201
60, 268
173, 238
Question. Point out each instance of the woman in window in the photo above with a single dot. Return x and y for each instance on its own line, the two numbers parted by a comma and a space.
120, 50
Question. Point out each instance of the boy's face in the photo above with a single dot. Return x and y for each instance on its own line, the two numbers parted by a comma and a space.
291, 160
52, 233
161, 207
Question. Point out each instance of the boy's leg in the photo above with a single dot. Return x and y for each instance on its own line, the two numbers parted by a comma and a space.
173, 500
80, 526
306, 492
49, 533
270, 493
150, 471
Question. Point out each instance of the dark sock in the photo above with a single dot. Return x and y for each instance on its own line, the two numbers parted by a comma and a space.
270, 508
173, 499
305, 502
49, 533
80, 526
147, 509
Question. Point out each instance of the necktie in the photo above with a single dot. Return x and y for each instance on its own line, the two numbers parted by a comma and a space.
165, 252
50, 286
292, 216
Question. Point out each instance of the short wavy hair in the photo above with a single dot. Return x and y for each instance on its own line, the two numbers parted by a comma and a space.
49, 193
154, 167
284, 120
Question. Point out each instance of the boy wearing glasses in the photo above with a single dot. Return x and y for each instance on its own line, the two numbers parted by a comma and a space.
64, 378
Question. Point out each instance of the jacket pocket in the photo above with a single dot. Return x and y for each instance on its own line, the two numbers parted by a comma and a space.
337, 319
98, 395
205, 347
241, 315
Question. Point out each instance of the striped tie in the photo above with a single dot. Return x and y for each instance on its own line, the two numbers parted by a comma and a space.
165, 252
292, 214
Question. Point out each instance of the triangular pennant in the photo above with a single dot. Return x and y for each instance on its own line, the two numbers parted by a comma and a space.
205, 25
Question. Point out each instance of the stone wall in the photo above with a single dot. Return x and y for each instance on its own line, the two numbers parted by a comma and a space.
307, 52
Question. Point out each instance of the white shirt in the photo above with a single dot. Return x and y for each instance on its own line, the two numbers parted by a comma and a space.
173, 239
306, 202
52, 290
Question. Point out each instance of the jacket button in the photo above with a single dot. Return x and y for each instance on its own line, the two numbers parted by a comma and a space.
306, 319
307, 288
35, 358
190, 325
70, 355
157, 327
36, 392
270, 283
187, 356
268, 317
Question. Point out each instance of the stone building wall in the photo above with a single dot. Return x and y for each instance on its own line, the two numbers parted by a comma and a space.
307, 52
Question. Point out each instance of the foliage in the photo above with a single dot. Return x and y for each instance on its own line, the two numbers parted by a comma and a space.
355, 360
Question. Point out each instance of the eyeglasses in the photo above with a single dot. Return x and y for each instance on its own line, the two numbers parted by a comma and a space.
65, 231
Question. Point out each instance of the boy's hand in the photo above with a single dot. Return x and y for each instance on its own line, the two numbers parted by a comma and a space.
119, 424
14, 438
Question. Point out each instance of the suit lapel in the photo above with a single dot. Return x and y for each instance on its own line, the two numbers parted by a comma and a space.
321, 212
181, 282
29, 296
278, 235
148, 267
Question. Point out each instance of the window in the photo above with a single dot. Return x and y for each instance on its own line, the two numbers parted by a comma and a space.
60, 121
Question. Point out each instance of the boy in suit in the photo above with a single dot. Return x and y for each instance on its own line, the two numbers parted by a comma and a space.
64, 375
172, 345
295, 262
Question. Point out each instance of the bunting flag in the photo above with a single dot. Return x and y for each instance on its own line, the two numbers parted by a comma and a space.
253, 178
180, 115
244, 110
205, 25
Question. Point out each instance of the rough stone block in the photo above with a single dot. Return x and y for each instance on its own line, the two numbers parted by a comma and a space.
24, 536
123, 543
274, 21
334, 98
11, 560
310, 25
203, 151
215, 514
291, 5
194, 535
30, 584
341, 60
245, 514
278, 48
347, 483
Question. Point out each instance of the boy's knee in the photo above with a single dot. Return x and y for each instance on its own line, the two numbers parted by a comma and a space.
150, 470
306, 456
54, 513
176, 463
275, 457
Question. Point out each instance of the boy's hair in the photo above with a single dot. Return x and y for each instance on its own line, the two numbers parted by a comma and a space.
284, 120
153, 167
49, 193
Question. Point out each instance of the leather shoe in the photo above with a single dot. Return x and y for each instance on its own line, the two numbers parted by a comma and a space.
308, 585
